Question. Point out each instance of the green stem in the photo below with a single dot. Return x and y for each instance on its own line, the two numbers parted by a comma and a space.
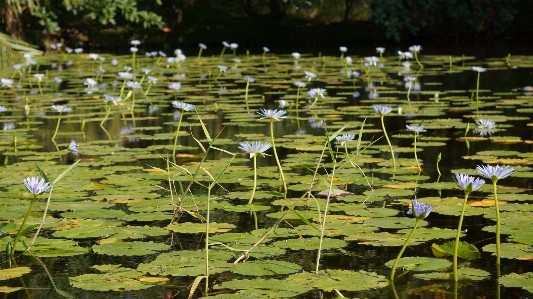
323, 224
416, 157
456, 249
207, 241
497, 223
388, 140
246, 96
33, 201
418, 61
255, 180
403, 249
477, 86
176, 138
57, 126
409, 92
282, 176
133, 107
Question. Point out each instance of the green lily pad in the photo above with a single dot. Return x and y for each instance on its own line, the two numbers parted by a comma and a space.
514, 280
464, 273
114, 278
262, 288
465, 250
13, 272
421, 264
194, 228
130, 248
346, 280
512, 251
265, 268
310, 243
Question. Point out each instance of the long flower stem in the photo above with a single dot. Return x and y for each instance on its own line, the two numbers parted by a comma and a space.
497, 223
418, 61
246, 96
477, 86
409, 93
388, 140
255, 180
57, 126
456, 249
176, 138
282, 176
207, 240
403, 249
33, 201
323, 225
416, 157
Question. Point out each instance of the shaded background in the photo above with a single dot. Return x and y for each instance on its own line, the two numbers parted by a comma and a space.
284, 25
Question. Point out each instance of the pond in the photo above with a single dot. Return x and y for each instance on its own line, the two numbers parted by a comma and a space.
301, 169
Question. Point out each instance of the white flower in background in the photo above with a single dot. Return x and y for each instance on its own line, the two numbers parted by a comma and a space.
183, 106
343, 49
255, 148
203, 46
39, 77
296, 55
380, 50
479, 69
266, 49
135, 42
93, 56
174, 86
61, 108
91, 83
344, 138
317, 92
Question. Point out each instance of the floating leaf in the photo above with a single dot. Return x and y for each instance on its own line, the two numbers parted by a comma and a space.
13, 272
465, 250
130, 248
514, 280
265, 268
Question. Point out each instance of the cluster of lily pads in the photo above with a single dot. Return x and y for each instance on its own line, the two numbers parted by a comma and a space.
157, 157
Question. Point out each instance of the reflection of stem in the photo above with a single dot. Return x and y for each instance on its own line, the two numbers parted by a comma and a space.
176, 138
26, 290
497, 223
456, 249
57, 126
255, 180
255, 219
403, 249
282, 176
388, 141
22, 225
393, 287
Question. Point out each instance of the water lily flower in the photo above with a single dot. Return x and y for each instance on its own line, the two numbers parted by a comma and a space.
486, 124
91, 83
135, 42
420, 210
283, 103
125, 75
372, 61
348, 60
222, 68
17, 66
58, 80
296, 55
3, 109
146, 70
299, 84
133, 85
382, 110
468, 183
315, 92
134, 50
415, 128
68, 50
6, 82
225, 44
249, 79
356, 74
174, 86
380, 50
343, 49
266, 49
183, 106
36, 186
272, 114
73, 147
38, 76
495, 172
479, 69
78, 50
93, 56
152, 80
61, 108
415, 48
9, 126
309, 75
203, 46
344, 138
255, 148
